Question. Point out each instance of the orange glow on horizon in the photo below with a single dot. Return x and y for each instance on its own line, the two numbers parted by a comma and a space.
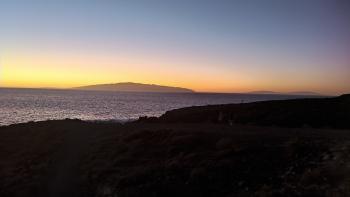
64, 71
32, 71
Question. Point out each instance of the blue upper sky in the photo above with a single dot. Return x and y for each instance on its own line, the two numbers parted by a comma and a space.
259, 42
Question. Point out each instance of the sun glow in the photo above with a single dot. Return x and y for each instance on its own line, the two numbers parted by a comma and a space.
64, 71
67, 70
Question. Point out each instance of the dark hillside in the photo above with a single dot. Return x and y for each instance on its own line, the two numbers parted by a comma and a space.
313, 112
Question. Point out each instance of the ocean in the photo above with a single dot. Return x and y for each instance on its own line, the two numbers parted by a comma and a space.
25, 105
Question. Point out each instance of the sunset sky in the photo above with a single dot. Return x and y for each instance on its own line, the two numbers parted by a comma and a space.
209, 46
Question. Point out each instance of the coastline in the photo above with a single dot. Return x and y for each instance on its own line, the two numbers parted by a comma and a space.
163, 117
97, 105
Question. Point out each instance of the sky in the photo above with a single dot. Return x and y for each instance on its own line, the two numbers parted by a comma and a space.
208, 46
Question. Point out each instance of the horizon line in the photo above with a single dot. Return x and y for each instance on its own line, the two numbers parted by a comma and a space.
194, 91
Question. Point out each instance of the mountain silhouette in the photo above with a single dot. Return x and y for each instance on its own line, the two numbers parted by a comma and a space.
135, 87
306, 93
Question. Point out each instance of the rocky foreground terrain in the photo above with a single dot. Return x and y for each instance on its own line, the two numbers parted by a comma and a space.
214, 155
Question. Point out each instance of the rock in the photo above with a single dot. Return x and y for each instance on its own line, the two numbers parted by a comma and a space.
224, 143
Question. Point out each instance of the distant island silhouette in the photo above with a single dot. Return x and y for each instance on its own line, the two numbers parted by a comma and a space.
286, 93
135, 87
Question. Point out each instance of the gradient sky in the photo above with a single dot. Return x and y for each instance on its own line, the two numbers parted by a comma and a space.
211, 46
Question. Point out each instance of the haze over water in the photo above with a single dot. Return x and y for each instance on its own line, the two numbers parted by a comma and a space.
24, 105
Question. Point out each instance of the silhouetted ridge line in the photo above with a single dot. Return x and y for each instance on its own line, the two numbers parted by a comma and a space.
313, 112
135, 87
344, 96
286, 93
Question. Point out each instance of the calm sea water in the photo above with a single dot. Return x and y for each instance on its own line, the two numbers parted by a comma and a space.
24, 105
